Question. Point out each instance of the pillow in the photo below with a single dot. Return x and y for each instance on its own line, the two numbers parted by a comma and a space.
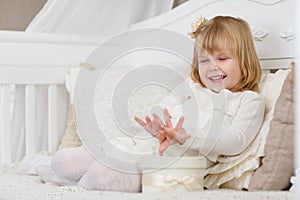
270, 87
136, 106
278, 163
70, 137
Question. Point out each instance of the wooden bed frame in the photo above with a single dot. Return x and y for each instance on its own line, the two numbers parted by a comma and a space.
31, 59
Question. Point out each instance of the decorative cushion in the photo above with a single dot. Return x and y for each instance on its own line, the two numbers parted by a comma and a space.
140, 103
70, 137
278, 163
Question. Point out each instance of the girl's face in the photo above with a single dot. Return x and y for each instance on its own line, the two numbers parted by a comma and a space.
219, 70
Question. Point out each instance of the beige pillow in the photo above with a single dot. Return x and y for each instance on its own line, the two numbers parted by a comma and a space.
70, 138
278, 163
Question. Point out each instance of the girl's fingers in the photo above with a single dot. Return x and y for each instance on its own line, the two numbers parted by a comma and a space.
181, 139
148, 120
159, 121
167, 118
169, 132
139, 121
156, 116
179, 123
161, 137
163, 146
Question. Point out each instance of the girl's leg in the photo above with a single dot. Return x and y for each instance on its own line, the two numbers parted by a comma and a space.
29, 163
112, 175
66, 167
48, 175
71, 163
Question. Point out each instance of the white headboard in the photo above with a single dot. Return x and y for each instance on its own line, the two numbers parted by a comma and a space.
272, 23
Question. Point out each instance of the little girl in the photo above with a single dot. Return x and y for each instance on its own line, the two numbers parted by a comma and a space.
225, 75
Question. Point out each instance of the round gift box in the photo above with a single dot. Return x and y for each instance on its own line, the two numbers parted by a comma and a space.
166, 174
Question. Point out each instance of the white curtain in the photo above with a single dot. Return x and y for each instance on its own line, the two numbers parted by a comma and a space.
95, 17
81, 17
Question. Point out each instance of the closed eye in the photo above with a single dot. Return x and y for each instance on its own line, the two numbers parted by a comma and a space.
203, 60
224, 58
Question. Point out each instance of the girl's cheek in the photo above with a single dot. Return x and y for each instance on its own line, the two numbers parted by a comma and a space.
203, 81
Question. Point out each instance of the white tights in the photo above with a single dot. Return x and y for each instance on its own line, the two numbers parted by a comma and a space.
75, 166
71, 163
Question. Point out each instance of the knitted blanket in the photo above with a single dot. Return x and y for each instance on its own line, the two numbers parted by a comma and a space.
14, 186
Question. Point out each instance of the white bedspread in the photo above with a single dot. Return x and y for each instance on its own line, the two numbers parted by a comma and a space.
14, 186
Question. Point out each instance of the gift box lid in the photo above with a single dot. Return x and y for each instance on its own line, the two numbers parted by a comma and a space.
172, 162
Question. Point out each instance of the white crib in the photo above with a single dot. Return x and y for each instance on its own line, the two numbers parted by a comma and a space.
32, 59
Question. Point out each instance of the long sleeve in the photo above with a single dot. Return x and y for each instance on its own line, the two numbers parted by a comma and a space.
231, 130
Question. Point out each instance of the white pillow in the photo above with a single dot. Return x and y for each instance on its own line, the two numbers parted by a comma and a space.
70, 81
270, 86
139, 104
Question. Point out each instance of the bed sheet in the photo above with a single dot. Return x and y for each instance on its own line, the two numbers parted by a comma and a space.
15, 186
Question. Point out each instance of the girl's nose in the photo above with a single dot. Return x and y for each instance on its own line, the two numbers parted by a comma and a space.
213, 66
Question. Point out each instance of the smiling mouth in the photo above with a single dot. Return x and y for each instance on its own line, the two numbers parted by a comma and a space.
217, 79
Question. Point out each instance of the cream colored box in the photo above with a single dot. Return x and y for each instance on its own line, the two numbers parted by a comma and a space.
166, 174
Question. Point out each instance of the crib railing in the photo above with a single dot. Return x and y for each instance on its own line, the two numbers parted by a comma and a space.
30, 60
10, 78
7, 94
5, 120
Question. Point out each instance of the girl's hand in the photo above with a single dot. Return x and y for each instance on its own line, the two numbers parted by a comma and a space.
171, 135
152, 126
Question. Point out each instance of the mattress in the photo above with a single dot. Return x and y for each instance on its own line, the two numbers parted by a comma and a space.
16, 186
